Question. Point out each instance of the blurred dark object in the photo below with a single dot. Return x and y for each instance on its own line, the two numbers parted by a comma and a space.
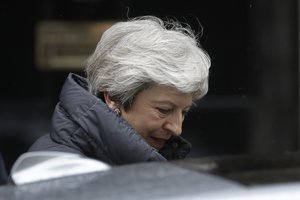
249, 169
3, 173
21, 124
153, 180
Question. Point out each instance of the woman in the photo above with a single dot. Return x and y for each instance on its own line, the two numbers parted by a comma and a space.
141, 81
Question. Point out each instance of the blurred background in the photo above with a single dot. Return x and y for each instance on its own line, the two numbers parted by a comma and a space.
252, 104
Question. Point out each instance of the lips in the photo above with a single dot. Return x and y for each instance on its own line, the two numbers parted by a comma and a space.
158, 143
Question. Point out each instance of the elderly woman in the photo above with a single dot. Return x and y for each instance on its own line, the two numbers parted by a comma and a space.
141, 81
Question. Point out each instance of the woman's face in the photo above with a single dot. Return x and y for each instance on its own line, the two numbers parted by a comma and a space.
157, 113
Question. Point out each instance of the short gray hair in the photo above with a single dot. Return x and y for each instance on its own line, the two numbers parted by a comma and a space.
134, 55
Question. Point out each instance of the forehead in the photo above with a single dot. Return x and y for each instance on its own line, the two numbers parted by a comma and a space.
165, 94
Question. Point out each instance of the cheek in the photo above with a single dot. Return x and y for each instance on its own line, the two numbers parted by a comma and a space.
149, 124
144, 120
152, 124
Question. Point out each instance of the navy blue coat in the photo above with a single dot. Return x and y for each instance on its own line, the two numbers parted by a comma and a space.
82, 123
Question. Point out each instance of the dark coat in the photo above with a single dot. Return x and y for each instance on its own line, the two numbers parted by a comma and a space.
83, 124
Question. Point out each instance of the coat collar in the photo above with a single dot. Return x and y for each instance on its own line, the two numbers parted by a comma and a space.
81, 120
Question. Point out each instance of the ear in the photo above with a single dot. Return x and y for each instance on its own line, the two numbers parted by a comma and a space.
109, 102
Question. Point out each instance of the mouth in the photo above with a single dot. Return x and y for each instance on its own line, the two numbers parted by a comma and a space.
157, 143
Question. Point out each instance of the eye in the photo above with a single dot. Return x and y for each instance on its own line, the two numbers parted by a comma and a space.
164, 110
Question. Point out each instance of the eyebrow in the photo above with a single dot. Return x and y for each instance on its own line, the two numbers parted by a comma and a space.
169, 102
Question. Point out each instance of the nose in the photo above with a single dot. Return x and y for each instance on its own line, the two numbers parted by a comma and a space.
174, 124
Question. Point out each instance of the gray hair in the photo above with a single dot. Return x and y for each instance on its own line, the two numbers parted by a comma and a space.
134, 55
